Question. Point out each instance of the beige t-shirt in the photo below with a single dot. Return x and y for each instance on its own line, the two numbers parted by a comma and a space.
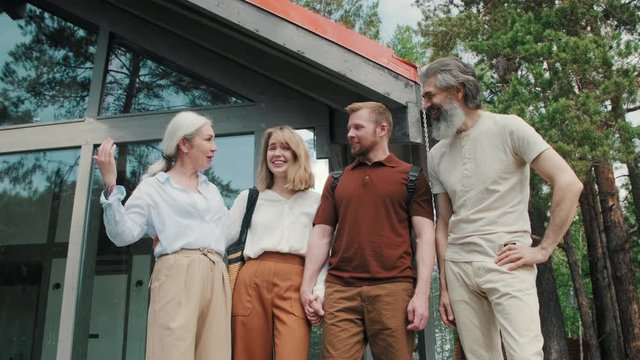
485, 172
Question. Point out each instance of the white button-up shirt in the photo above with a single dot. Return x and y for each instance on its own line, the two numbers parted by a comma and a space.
181, 219
278, 224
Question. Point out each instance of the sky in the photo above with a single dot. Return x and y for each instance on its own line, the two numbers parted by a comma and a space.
396, 12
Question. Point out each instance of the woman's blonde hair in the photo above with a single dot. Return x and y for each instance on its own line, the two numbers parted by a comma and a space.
299, 174
185, 124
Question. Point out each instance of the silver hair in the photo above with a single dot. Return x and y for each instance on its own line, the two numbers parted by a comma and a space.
451, 72
185, 124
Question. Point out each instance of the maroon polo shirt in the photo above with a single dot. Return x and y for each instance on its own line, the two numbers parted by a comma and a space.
372, 244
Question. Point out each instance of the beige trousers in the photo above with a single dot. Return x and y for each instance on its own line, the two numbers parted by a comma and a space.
268, 318
488, 300
190, 308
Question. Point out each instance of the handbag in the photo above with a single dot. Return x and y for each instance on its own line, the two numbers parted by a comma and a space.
235, 252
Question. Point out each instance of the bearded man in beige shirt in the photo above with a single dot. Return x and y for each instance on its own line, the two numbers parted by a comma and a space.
479, 173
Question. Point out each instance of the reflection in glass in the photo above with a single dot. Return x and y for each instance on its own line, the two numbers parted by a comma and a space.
320, 167
36, 194
119, 285
232, 168
46, 65
137, 82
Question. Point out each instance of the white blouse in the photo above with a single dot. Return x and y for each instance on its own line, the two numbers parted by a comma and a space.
181, 219
278, 224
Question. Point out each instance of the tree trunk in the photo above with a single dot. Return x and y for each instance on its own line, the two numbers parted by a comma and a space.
622, 272
584, 305
551, 319
634, 180
135, 64
605, 309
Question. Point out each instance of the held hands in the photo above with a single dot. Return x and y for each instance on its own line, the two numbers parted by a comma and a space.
418, 312
312, 304
106, 162
314, 310
520, 255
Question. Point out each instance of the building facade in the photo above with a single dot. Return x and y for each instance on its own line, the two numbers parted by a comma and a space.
76, 71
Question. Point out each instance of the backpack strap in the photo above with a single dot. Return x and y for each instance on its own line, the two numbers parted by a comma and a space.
336, 177
411, 184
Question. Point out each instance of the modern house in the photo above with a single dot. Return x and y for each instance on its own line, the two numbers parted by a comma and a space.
76, 71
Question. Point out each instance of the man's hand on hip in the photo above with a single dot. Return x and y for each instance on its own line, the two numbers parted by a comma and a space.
518, 256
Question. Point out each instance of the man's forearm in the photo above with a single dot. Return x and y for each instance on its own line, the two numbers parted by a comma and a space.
317, 254
425, 260
441, 250
563, 209
425, 255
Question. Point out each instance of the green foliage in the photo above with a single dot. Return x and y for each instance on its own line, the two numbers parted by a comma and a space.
315, 343
407, 45
570, 68
564, 281
567, 67
359, 15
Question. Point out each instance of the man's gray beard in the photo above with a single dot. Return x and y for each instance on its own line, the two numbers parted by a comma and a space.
451, 117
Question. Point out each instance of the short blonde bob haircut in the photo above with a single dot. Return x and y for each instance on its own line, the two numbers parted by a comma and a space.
299, 174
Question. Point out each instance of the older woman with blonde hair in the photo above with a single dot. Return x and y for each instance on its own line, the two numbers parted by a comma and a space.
267, 316
190, 307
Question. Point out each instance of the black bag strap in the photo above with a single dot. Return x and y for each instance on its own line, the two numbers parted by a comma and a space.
252, 199
411, 185
412, 178
336, 177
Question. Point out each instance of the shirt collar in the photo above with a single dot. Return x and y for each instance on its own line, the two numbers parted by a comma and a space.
164, 177
390, 161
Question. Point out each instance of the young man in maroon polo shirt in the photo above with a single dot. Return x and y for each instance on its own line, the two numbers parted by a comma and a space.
373, 293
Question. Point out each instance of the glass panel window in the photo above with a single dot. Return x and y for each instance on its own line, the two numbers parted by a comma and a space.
138, 82
36, 194
320, 167
45, 68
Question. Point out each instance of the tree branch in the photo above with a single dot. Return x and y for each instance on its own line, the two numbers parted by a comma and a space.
632, 109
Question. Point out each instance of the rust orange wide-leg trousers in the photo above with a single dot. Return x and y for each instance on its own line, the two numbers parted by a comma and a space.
267, 316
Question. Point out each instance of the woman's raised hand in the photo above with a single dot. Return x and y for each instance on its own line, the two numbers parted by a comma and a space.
105, 159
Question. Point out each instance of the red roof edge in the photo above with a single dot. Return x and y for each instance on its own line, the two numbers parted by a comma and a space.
340, 35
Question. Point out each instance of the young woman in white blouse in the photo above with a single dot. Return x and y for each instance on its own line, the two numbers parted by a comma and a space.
190, 307
267, 316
